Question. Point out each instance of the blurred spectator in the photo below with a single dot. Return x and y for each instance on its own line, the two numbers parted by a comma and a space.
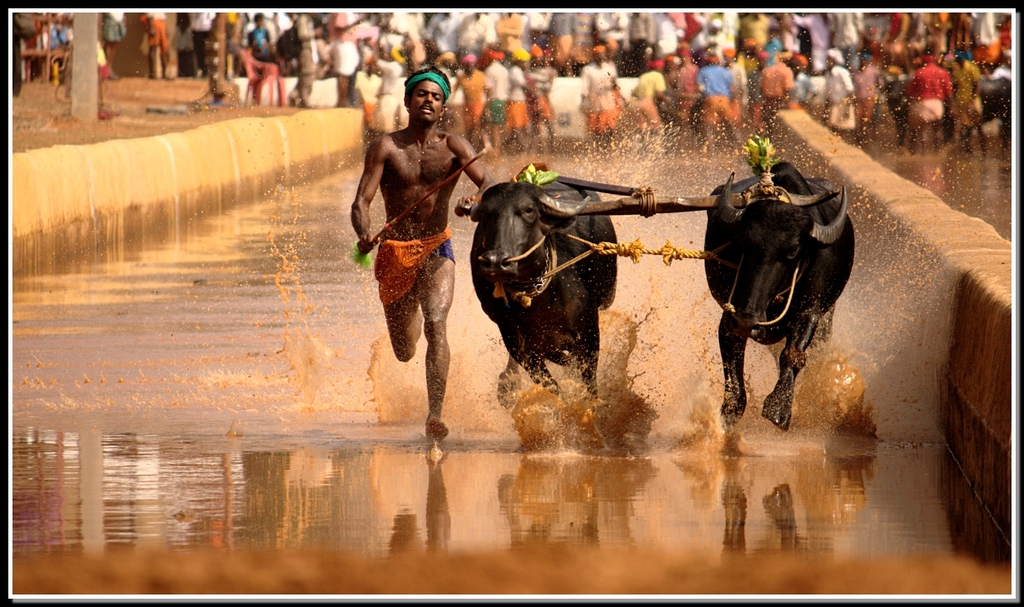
202, 25
985, 36
717, 111
538, 26
183, 43
894, 42
650, 92
259, 41
323, 51
774, 45
582, 41
642, 37
867, 85
689, 91
804, 89
477, 32
561, 30
610, 30
60, 31
667, 40
776, 83
391, 113
509, 29
820, 33
540, 79
453, 117
756, 92
517, 113
367, 83
471, 81
929, 88
754, 25
847, 29
839, 93
113, 30
601, 100
966, 107
305, 31
937, 29
443, 32
159, 45
741, 86
345, 56
496, 87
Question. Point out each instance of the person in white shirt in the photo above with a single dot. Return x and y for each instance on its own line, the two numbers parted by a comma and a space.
602, 102
839, 93
497, 87
391, 114
202, 24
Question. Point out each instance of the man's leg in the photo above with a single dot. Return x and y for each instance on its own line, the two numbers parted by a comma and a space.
404, 320
436, 289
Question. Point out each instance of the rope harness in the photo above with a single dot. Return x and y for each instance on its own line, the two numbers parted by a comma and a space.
635, 250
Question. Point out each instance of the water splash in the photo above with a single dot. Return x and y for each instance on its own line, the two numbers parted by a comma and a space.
308, 356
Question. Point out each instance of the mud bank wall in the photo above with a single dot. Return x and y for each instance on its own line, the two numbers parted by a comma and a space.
946, 278
89, 190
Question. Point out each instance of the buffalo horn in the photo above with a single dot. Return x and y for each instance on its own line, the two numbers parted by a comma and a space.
555, 208
809, 201
725, 212
826, 235
474, 212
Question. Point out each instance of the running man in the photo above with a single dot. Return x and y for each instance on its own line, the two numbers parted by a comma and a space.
415, 263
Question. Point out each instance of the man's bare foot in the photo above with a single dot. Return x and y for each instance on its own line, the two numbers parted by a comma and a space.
436, 430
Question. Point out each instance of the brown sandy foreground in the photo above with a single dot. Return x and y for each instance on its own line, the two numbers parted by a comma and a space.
549, 570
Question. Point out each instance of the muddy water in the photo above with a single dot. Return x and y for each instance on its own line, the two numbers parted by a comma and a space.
233, 387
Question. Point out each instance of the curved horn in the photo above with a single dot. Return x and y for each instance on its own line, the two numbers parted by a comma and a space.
725, 212
474, 212
826, 235
809, 201
555, 208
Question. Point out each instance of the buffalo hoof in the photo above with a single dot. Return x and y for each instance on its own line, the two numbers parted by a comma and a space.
777, 409
436, 430
507, 388
732, 412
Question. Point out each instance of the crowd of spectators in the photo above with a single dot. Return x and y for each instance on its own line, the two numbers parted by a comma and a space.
699, 74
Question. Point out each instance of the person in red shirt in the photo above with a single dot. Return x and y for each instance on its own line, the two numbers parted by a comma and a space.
929, 89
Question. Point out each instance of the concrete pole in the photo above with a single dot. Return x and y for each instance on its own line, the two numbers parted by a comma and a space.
85, 68
218, 44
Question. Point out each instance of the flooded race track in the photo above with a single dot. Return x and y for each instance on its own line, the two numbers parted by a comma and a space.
232, 387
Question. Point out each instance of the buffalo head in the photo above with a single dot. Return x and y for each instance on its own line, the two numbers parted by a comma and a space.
777, 241
513, 221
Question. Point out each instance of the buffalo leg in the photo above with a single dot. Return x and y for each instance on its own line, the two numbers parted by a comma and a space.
733, 350
587, 352
779, 404
507, 384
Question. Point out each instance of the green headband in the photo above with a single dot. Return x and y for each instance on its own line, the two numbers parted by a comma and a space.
431, 76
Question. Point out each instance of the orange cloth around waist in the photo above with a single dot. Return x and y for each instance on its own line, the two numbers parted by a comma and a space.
516, 116
399, 262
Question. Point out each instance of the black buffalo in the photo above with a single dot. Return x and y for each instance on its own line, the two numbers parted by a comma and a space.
520, 237
771, 246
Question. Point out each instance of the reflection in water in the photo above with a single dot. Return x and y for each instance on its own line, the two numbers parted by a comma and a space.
94, 491
576, 500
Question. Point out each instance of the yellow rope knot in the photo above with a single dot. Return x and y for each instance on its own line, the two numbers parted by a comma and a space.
669, 253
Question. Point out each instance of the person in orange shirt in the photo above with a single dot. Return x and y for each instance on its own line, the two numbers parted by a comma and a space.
777, 81
471, 82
